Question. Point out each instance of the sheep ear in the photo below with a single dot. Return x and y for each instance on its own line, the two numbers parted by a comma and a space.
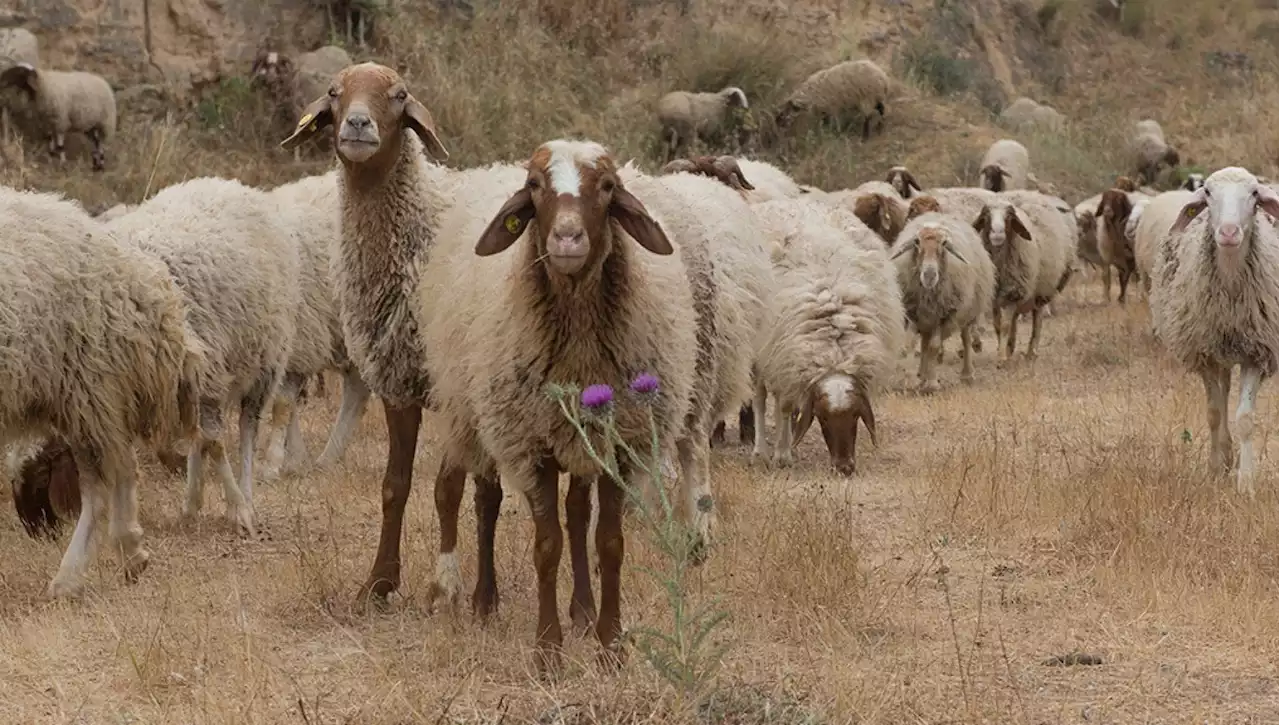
983, 223
508, 224
317, 115
1097, 213
21, 74
906, 248
952, 251
1268, 202
868, 417
911, 182
1193, 208
1014, 222
635, 220
801, 425
417, 117
1005, 173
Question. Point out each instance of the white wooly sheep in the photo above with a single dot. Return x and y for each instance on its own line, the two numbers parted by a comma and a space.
392, 198
836, 329
947, 282
1150, 151
770, 182
903, 181
686, 115
1160, 214
309, 208
1026, 113
99, 353
593, 293
17, 45
238, 268
1214, 302
854, 88
1004, 166
69, 102
1031, 245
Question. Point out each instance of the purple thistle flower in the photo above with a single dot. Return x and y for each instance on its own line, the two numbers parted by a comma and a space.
645, 383
597, 396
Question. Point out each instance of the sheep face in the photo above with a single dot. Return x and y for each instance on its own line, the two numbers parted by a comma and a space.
996, 223
838, 402
902, 180
787, 114
921, 205
368, 106
1193, 182
992, 177
1124, 183
23, 76
271, 68
929, 249
574, 194
1232, 196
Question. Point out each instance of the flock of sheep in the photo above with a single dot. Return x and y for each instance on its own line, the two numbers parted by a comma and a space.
696, 290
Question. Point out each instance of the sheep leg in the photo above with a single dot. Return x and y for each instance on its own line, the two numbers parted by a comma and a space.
284, 407
717, 434
124, 529
746, 424
1011, 336
1216, 411
451, 481
251, 407
488, 501
542, 494
577, 507
609, 544
402, 440
1125, 275
928, 383
239, 509
966, 353
759, 405
996, 323
58, 145
699, 506
1106, 284
69, 581
99, 154
1250, 380
1034, 342
355, 396
782, 455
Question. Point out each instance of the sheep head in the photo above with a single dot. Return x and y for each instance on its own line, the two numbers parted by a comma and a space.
46, 486
23, 76
1232, 196
902, 180
734, 97
369, 107
992, 177
880, 214
998, 224
921, 205
724, 169
575, 195
929, 248
1193, 182
1124, 183
838, 402
787, 114
271, 68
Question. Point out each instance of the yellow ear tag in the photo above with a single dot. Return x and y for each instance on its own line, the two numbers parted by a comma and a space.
305, 120
512, 223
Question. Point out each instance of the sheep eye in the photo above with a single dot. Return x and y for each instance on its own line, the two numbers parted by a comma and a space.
333, 92
402, 94
533, 183
607, 186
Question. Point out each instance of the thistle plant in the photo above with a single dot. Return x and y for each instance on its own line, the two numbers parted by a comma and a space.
683, 656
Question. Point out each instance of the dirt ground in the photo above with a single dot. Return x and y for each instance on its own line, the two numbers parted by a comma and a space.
1055, 506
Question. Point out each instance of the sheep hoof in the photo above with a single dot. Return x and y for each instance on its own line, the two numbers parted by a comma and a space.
582, 617
484, 603
548, 660
783, 460
613, 657
136, 565
269, 473
928, 387
242, 518
966, 378
440, 594
66, 587
1244, 482
976, 345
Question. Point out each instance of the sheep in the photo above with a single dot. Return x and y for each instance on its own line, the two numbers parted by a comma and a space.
99, 353
1213, 302
686, 115
68, 101
579, 301
1029, 244
770, 182
1150, 151
309, 208
879, 205
1114, 248
1193, 182
1160, 214
836, 330
901, 179
1004, 166
855, 88
942, 294
296, 84
724, 169
392, 199
17, 45
921, 205
1026, 113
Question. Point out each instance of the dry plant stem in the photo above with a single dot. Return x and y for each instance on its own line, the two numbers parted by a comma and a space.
402, 440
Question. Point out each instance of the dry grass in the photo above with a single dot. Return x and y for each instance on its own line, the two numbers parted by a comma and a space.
1053, 506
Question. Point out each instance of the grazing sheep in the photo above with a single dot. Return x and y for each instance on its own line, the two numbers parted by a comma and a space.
99, 353
685, 116
297, 84
592, 293
69, 101
1114, 248
392, 199
947, 282
1028, 244
903, 181
17, 45
1025, 113
310, 209
1160, 214
835, 334
1005, 166
1150, 151
1213, 302
852, 90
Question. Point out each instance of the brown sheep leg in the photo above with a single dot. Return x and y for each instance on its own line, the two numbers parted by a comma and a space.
547, 546
610, 545
966, 352
99, 154
577, 507
402, 438
717, 435
450, 483
1037, 314
746, 425
995, 324
1106, 284
1124, 283
488, 498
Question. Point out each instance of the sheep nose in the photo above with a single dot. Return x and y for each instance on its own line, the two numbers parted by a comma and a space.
929, 277
1229, 234
359, 121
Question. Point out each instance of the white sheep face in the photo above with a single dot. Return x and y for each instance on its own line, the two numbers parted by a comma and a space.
1230, 197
